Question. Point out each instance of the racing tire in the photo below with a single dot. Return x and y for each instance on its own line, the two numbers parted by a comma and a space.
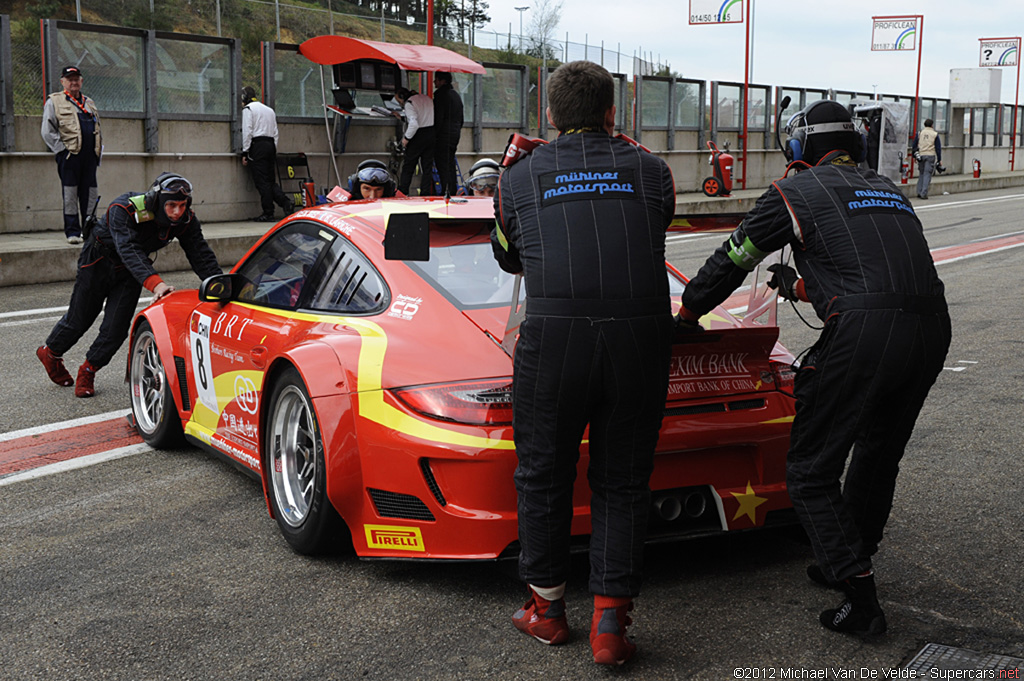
153, 410
711, 186
296, 472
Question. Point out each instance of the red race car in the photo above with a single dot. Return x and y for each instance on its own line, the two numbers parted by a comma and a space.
373, 394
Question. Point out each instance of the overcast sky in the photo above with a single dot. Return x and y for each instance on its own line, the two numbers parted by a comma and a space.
798, 43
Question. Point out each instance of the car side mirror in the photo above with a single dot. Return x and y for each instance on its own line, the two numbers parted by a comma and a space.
220, 288
407, 237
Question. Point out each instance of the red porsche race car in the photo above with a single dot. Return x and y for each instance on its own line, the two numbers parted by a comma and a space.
374, 394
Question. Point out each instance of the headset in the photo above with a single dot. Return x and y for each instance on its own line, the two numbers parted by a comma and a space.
798, 129
390, 186
162, 183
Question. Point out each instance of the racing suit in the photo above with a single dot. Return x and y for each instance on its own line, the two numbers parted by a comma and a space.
114, 266
869, 275
584, 220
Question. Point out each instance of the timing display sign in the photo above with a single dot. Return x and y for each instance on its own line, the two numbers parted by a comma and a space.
716, 11
999, 51
894, 34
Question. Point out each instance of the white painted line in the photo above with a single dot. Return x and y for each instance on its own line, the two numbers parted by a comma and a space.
72, 464
975, 255
23, 322
954, 368
955, 204
143, 302
73, 423
965, 361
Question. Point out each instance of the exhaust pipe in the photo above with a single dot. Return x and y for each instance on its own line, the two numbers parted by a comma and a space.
695, 504
668, 506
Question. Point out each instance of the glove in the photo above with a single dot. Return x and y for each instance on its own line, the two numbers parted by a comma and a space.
785, 279
687, 326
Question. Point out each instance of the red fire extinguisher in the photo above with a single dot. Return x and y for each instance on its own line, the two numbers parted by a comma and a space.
720, 183
904, 170
977, 167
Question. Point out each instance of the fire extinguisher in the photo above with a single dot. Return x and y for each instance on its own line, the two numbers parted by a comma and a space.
904, 169
977, 167
720, 183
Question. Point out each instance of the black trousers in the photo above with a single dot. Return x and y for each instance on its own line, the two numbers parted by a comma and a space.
861, 387
612, 374
100, 280
262, 163
419, 149
444, 159
78, 187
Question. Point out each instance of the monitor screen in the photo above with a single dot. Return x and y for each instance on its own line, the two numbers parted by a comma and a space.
367, 76
387, 77
345, 75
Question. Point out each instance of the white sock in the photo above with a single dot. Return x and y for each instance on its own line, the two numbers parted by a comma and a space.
551, 593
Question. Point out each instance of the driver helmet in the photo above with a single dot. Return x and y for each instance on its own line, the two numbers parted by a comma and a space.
483, 176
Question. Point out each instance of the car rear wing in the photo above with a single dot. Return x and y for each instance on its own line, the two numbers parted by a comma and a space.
759, 305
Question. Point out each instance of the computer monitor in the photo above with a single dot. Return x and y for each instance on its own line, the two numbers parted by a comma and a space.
343, 98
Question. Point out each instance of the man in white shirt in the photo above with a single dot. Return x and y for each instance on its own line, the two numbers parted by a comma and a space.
418, 140
259, 153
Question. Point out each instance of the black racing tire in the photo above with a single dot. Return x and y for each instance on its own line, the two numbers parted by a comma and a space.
153, 408
293, 456
711, 186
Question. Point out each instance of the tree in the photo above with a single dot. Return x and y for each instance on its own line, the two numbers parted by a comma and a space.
544, 19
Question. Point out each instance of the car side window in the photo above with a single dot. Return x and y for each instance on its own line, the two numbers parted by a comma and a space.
351, 284
278, 273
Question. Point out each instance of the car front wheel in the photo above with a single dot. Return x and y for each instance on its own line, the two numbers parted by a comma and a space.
156, 416
294, 456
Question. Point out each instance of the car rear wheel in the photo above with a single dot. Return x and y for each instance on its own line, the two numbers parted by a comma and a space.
156, 415
297, 477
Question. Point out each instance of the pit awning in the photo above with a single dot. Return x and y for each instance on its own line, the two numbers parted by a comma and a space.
328, 50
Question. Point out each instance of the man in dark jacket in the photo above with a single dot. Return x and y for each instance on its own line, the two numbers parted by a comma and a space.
447, 130
113, 268
870, 277
584, 220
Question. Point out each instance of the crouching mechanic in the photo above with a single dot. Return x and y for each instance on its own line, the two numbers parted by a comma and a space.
483, 177
371, 181
584, 220
113, 268
869, 276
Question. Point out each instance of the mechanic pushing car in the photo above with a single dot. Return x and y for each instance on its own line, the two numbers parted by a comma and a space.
592, 349
114, 266
869, 275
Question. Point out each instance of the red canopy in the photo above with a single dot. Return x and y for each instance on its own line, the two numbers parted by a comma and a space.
335, 49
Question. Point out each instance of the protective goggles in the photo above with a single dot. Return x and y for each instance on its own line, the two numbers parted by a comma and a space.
490, 182
373, 176
176, 185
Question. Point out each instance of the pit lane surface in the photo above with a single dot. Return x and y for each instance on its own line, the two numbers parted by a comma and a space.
166, 565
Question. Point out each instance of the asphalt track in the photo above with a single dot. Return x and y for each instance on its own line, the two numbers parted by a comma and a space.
154, 565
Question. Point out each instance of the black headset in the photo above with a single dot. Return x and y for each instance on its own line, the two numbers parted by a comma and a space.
797, 129
162, 182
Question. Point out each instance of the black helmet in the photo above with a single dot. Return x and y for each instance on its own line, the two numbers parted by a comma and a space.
819, 128
373, 173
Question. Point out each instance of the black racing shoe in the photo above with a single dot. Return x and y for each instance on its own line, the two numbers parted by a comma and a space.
860, 613
815, 574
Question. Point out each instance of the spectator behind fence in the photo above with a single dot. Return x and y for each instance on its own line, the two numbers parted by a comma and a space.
71, 129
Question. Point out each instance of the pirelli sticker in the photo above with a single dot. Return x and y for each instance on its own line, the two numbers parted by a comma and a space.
394, 538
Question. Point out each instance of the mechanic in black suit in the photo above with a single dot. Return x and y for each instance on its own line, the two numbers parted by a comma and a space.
870, 277
584, 220
113, 268
447, 131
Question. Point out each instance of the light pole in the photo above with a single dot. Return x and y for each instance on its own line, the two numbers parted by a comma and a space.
521, 10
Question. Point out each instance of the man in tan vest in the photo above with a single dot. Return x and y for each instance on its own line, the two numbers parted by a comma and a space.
71, 129
928, 151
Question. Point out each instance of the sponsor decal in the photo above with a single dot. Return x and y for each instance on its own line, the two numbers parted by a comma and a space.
395, 538
235, 452
339, 223
714, 372
202, 371
225, 325
246, 395
873, 201
579, 185
405, 307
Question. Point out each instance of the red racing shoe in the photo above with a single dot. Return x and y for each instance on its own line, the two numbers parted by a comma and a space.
54, 365
84, 384
608, 638
543, 619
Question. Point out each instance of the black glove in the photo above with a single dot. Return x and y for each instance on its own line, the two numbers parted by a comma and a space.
785, 279
687, 326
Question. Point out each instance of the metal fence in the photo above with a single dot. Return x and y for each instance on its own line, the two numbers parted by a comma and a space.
155, 75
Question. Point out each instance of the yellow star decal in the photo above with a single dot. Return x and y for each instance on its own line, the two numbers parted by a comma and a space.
748, 504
